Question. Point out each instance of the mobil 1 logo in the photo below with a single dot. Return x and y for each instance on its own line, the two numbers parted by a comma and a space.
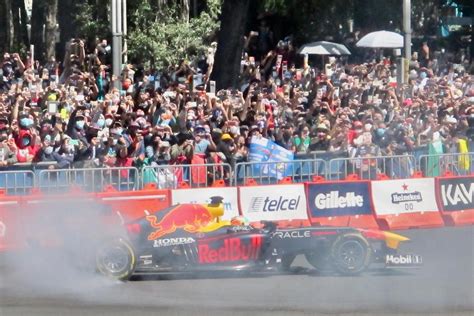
457, 194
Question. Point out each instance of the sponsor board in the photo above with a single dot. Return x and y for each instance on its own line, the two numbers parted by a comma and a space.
273, 202
292, 234
456, 194
403, 260
166, 242
203, 196
231, 250
339, 199
404, 196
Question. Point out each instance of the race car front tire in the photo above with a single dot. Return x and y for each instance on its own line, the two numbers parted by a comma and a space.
116, 259
351, 254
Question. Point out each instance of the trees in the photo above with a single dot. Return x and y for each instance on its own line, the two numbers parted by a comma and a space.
230, 43
162, 35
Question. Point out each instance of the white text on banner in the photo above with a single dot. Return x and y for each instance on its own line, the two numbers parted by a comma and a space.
404, 196
203, 195
273, 202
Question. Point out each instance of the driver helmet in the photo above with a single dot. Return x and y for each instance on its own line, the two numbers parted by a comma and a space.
239, 221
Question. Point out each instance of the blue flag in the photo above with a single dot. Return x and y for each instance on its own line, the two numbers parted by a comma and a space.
264, 150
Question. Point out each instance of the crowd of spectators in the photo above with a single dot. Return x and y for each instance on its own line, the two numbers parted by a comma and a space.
70, 115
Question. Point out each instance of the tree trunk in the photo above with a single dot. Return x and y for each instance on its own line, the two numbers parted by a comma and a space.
10, 35
230, 43
3, 26
38, 20
184, 10
67, 25
51, 11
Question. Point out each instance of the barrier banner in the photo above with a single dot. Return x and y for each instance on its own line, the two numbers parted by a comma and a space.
339, 199
264, 150
456, 194
273, 202
203, 195
404, 196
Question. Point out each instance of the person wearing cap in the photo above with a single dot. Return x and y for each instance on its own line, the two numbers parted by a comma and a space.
227, 147
320, 139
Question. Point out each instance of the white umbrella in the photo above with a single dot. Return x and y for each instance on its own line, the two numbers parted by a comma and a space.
324, 48
381, 39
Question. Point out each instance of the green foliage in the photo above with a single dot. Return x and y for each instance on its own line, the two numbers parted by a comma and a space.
162, 38
89, 24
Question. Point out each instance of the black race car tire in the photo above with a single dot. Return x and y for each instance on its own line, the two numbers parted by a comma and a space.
351, 254
320, 260
120, 251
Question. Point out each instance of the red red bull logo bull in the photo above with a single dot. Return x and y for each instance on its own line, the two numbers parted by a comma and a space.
232, 250
187, 217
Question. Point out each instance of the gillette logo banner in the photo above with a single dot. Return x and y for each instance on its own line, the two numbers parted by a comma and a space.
331, 199
457, 194
273, 202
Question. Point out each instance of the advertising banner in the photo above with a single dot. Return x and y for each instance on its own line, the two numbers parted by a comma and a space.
203, 195
264, 150
456, 194
404, 196
339, 199
273, 202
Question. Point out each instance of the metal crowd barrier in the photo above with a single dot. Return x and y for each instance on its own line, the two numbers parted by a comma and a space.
438, 164
195, 175
272, 172
88, 179
17, 182
395, 167
22, 178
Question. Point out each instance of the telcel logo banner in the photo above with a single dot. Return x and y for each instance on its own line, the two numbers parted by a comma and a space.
331, 199
273, 202
267, 204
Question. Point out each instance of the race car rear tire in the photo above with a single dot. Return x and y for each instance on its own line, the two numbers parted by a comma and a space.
116, 259
351, 254
320, 260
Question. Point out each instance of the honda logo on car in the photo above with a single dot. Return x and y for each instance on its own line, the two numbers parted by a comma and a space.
267, 204
165, 242
334, 200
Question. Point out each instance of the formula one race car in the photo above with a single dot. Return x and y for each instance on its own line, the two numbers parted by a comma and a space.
191, 238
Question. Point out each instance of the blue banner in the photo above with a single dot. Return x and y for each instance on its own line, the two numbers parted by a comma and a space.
264, 150
339, 199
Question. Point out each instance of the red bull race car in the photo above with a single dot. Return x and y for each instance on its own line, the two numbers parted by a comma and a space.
192, 238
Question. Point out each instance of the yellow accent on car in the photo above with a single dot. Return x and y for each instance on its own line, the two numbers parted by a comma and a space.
393, 240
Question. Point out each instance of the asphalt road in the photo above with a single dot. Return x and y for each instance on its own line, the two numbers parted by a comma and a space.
444, 285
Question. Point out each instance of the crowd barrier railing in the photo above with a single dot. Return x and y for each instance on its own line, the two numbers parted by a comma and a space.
23, 178
274, 172
458, 164
193, 175
393, 167
88, 179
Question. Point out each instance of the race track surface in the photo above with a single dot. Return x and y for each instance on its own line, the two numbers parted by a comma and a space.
444, 285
